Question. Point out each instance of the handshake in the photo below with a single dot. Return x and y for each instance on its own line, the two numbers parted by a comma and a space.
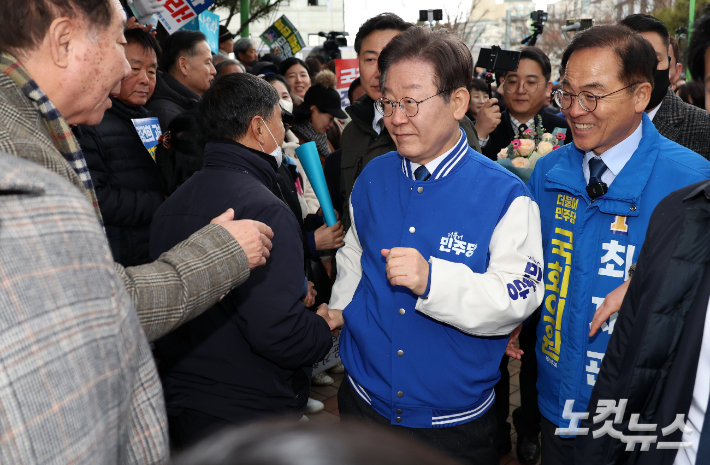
333, 317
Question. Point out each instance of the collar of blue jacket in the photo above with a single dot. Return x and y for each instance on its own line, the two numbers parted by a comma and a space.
442, 165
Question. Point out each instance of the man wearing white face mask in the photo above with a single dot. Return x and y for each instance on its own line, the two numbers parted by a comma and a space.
249, 356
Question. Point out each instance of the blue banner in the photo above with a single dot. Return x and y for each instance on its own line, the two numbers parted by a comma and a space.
209, 26
148, 130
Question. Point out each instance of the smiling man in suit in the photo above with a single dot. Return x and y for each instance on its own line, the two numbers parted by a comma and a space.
524, 93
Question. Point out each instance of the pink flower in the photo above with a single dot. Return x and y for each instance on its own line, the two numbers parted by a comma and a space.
555, 147
527, 131
560, 136
516, 143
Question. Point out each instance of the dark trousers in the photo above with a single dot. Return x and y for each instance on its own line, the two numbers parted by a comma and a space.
554, 449
526, 418
472, 442
191, 426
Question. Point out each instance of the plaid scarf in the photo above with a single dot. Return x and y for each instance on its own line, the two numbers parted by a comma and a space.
62, 134
308, 133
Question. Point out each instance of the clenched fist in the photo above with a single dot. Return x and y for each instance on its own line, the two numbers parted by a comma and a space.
254, 237
406, 267
488, 118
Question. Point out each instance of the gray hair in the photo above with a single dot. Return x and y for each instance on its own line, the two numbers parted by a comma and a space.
233, 101
242, 45
228, 62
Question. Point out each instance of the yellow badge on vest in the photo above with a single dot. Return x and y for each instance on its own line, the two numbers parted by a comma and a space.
620, 225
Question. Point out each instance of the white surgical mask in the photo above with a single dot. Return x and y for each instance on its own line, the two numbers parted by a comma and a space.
277, 151
286, 105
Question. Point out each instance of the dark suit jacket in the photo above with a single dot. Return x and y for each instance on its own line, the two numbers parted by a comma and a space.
652, 357
503, 134
684, 124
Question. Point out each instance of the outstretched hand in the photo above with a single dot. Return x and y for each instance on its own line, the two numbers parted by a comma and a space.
253, 236
612, 304
511, 350
333, 317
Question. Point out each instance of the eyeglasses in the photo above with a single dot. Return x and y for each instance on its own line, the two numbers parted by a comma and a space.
587, 100
407, 105
512, 85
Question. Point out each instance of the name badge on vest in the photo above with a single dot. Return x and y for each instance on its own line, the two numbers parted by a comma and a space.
148, 130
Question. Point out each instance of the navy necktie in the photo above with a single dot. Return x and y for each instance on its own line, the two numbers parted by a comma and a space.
703, 455
421, 173
596, 169
522, 128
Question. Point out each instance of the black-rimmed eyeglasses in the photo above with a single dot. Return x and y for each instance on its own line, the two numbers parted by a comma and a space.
407, 105
587, 100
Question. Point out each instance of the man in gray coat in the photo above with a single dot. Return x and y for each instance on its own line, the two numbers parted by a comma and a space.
59, 72
676, 120
79, 384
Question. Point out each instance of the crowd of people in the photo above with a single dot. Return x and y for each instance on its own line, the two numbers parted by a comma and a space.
174, 299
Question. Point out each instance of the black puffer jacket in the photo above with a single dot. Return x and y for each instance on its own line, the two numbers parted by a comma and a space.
170, 99
126, 181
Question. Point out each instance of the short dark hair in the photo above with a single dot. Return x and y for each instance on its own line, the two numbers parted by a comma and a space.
479, 84
693, 90
232, 101
180, 43
351, 90
313, 65
636, 57
699, 42
381, 22
24, 23
277, 77
288, 62
145, 39
539, 57
647, 23
448, 55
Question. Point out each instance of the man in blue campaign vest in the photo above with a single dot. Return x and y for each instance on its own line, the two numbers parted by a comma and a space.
596, 197
442, 261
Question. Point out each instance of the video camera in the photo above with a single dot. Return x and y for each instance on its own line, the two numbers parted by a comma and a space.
496, 59
333, 41
430, 16
539, 18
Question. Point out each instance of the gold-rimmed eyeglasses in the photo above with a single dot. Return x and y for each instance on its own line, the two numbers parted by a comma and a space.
407, 105
587, 100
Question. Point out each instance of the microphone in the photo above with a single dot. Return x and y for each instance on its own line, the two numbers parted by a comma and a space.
597, 190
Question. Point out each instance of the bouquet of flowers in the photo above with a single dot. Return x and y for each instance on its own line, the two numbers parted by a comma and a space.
526, 149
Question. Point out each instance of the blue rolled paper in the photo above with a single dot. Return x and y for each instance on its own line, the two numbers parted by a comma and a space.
308, 155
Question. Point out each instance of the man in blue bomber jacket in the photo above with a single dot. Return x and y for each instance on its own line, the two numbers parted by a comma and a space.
442, 262
596, 197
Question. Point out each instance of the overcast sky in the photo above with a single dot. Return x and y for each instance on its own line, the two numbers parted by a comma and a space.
357, 11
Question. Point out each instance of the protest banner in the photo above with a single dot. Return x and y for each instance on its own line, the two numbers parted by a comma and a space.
149, 131
346, 71
178, 13
283, 36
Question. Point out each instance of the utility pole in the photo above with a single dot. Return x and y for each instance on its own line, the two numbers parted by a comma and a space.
244, 11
